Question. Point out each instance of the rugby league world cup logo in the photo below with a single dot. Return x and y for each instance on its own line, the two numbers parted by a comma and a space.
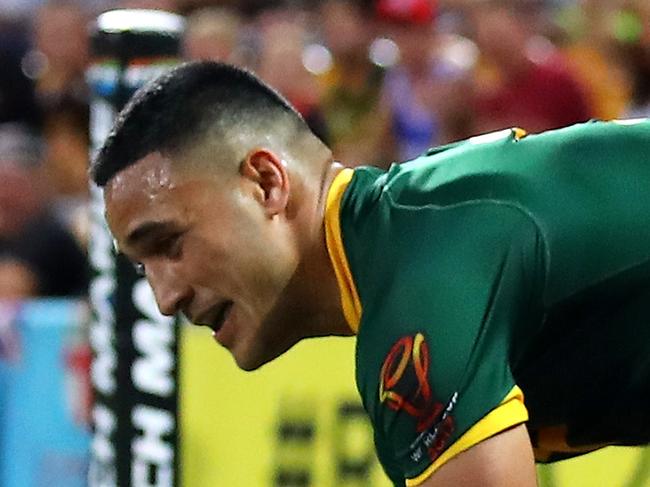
404, 387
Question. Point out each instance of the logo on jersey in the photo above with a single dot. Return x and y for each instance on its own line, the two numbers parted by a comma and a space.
404, 387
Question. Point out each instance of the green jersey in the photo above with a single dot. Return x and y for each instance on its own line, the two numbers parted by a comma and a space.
500, 280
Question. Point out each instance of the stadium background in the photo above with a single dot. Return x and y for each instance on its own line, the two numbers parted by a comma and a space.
297, 421
298, 415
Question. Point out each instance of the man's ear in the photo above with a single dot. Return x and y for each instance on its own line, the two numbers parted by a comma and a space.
269, 173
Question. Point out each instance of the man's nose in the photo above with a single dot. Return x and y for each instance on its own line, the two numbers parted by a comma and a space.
171, 292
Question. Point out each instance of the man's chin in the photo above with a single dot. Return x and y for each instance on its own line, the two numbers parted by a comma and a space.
252, 354
248, 366
249, 362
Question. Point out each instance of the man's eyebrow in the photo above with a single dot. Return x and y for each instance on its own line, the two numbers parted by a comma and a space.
147, 230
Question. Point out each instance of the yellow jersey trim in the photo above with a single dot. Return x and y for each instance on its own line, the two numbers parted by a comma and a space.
519, 133
333, 238
509, 413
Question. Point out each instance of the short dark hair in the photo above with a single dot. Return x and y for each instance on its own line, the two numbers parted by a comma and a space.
181, 106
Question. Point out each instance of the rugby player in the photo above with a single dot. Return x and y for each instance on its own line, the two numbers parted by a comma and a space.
498, 287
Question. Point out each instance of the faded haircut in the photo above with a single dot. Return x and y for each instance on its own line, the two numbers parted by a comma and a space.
188, 103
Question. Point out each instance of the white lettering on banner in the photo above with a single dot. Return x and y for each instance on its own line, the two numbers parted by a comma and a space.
152, 372
103, 366
101, 471
153, 339
151, 452
102, 287
101, 244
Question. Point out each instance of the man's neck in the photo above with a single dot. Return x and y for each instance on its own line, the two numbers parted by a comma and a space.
320, 279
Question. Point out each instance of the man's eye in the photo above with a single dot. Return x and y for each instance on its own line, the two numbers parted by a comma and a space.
139, 269
172, 246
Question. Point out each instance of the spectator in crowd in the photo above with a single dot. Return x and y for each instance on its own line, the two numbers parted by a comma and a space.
424, 93
587, 42
352, 84
213, 34
283, 35
637, 54
58, 64
65, 160
61, 52
518, 86
35, 248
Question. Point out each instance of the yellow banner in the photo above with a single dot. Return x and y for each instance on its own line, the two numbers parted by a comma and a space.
299, 422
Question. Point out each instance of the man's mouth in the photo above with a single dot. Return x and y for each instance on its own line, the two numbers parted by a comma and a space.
215, 317
220, 317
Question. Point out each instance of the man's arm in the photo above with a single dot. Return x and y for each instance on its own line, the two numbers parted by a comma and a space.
504, 460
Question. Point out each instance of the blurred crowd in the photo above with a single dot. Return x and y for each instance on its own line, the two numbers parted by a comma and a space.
378, 80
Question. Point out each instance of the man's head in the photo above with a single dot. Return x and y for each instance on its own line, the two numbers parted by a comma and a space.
411, 24
212, 34
21, 183
347, 29
210, 184
502, 29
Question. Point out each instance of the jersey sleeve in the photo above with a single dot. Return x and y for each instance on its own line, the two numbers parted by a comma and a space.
442, 329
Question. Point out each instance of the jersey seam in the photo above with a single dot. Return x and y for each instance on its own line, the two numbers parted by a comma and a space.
520, 209
523, 211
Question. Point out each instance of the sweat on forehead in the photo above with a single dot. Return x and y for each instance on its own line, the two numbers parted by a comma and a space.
149, 191
148, 176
